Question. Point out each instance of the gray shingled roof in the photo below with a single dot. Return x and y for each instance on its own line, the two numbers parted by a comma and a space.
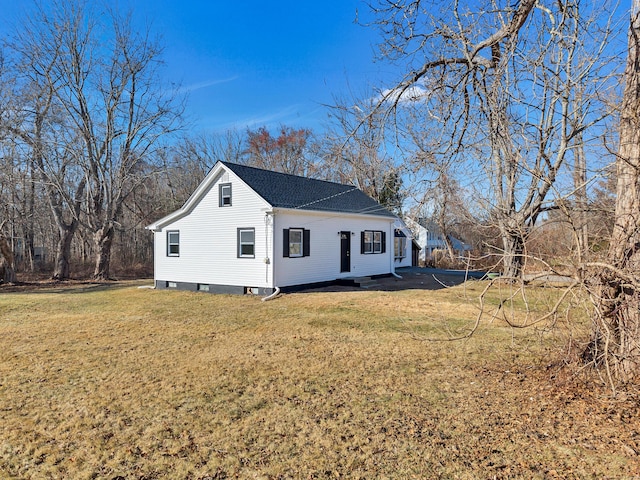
289, 191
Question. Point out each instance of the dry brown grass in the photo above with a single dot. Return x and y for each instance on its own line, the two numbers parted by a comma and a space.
122, 382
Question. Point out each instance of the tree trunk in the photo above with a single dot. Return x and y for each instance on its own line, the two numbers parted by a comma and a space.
103, 239
450, 251
62, 269
444, 232
7, 268
513, 254
580, 221
617, 334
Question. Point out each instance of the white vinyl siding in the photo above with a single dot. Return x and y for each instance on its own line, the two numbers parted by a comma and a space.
209, 240
323, 263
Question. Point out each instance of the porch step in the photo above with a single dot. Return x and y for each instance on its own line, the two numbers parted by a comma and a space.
364, 282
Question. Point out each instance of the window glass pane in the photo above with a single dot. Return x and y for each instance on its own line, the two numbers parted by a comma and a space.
295, 249
246, 246
368, 242
225, 192
368, 237
173, 243
377, 242
295, 243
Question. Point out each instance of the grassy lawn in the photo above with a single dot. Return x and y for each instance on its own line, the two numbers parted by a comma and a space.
123, 382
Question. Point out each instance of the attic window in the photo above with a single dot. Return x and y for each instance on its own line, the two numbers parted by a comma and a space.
225, 194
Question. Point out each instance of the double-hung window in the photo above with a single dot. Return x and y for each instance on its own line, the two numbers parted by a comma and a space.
368, 242
225, 194
399, 244
377, 242
173, 243
246, 243
372, 241
295, 242
399, 247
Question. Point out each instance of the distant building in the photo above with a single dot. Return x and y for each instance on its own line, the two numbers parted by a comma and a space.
21, 255
429, 238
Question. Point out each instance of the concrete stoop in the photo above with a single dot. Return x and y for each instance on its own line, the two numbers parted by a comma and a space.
363, 282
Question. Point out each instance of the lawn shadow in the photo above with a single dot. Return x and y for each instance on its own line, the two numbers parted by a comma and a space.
70, 286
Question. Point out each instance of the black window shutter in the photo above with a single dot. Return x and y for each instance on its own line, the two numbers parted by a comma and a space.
384, 242
285, 242
361, 242
306, 236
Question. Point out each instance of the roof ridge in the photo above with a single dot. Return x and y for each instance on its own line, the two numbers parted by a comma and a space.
283, 190
241, 165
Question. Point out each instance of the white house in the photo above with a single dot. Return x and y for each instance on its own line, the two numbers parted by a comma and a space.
428, 236
248, 230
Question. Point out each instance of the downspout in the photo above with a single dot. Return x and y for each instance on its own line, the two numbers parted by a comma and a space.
392, 250
270, 261
155, 257
272, 296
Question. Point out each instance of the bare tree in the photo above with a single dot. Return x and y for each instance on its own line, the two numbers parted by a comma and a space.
113, 98
616, 288
187, 162
355, 151
89, 106
447, 207
289, 152
579, 212
37, 120
500, 80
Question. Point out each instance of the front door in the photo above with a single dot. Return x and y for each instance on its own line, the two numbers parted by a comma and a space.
345, 251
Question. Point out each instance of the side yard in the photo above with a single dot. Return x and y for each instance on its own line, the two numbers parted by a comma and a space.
124, 382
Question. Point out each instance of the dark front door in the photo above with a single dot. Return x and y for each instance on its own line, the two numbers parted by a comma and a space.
345, 251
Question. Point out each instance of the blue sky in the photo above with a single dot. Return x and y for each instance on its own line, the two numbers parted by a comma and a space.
258, 63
